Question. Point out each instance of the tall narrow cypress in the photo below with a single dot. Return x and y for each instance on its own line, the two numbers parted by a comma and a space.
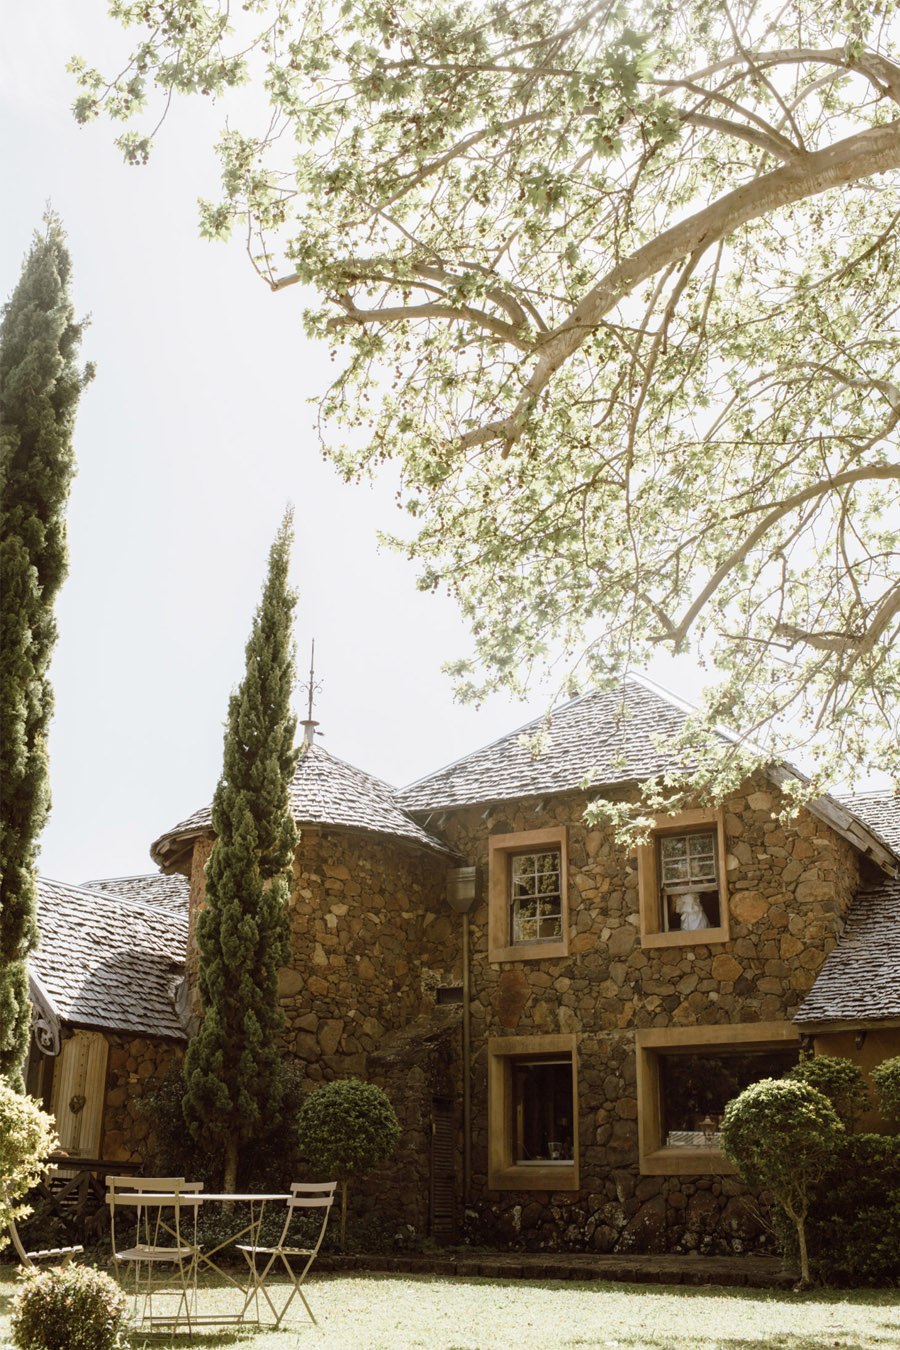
40, 385
231, 1066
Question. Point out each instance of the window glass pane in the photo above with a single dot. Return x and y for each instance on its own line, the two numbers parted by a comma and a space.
543, 1106
536, 903
696, 1088
689, 882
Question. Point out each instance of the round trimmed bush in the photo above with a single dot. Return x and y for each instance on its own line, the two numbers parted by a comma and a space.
344, 1129
69, 1308
838, 1079
887, 1084
783, 1135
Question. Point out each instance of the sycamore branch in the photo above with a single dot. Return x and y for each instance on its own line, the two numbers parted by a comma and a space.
872, 473
856, 644
875, 150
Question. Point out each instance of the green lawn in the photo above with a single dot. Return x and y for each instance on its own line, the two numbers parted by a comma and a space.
371, 1312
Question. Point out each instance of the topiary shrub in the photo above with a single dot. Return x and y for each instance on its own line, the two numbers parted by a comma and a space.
69, 1308
783, 1135
346, 1128
27, 1135
838, 1079
886, 1078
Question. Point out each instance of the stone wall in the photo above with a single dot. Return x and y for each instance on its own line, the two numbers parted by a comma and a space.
369, 934
789, 889
135, 1067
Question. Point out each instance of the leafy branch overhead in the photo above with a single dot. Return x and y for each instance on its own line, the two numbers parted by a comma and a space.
617, 285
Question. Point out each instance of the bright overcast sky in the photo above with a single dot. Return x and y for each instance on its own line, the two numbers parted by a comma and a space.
195, 433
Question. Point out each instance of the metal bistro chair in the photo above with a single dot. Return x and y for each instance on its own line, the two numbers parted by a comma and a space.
304, 1197
165, 1213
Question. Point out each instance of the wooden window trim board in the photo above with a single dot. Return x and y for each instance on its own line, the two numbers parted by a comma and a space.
680, 822
501, 848
504, 1174
655, 1158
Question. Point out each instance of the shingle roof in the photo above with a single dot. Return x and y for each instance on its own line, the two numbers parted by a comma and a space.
611, 737
324, 791
860, 980
880, 811
157, 889
107, 962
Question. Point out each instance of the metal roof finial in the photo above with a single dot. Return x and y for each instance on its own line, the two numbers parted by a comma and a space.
312, 688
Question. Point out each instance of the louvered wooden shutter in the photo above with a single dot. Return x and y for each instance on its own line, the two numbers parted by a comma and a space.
443, 1171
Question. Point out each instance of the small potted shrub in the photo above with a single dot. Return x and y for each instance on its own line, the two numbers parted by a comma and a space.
69, 1308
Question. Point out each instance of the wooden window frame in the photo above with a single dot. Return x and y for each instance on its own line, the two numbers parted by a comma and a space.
657, 1159
501, 849
681, 822
504, 1172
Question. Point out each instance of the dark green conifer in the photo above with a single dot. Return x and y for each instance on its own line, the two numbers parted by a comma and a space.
40, 385
232, 1081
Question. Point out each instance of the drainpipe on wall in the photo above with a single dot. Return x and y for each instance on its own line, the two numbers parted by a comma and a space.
462, 889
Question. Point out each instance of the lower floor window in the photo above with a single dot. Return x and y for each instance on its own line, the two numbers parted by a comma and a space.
686, 1076
696, 1088
533, 1113
543, 1103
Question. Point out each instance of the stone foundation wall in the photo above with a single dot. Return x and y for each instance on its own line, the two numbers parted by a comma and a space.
134, 1068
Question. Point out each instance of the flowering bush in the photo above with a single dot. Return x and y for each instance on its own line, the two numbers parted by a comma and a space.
27, 1135
69, 1308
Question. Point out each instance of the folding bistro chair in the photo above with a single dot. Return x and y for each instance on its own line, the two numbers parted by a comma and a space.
59, 1256
164, 1210
304, 1200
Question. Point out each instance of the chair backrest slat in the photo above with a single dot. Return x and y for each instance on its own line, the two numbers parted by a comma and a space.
312, 1195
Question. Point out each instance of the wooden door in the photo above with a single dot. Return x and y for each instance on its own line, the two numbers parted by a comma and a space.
79, 1088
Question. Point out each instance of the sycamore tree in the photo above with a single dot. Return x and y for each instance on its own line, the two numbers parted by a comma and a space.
233, 1083
40, 385
616, 285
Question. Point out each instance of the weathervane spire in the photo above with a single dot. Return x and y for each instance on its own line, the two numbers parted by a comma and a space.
312, 688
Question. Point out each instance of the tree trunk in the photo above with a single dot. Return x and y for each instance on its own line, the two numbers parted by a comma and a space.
800, 1221
343, 1216
231, 1162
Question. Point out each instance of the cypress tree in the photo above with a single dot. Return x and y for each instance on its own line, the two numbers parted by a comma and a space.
233, 1087
40, 385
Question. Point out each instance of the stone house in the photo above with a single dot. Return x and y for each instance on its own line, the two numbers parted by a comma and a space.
558, 1020
105, 988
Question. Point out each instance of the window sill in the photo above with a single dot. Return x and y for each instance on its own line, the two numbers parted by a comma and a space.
549, 1176
674, 1162
530, 951
698, 937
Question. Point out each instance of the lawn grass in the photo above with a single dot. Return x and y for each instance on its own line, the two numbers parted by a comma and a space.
423, 1312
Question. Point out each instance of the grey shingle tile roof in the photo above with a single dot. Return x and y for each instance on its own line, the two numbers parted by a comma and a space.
860, 980
613, 737
325, 791
108, 962
164, 892
880, 811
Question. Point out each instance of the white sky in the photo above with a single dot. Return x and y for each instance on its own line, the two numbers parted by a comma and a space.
196, 432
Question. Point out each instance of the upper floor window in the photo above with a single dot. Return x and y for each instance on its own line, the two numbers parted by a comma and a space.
689, 882
535, 896
681, 880
527, 895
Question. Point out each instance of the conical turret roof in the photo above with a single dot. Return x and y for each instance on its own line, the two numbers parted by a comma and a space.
325, 791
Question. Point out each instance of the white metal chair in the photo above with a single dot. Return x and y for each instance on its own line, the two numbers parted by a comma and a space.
60, 1256
165, 1216
305, 1199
